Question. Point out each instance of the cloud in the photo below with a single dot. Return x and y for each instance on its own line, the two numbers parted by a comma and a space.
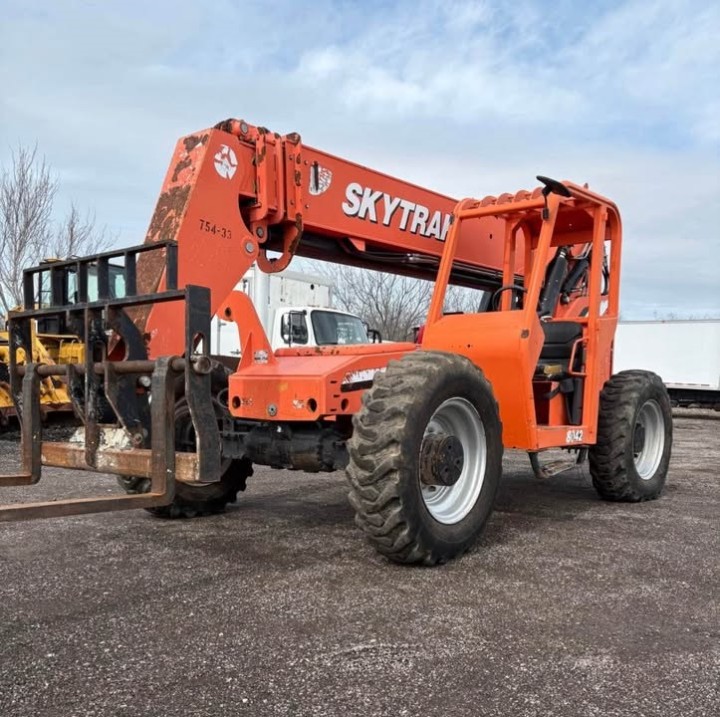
640, 65
469, 98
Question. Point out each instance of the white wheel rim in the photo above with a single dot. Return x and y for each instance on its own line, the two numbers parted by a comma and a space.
450, 504
647, 457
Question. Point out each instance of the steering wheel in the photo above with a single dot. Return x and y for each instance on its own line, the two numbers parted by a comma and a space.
508, 287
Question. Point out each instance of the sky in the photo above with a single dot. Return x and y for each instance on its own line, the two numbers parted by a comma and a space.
466, 98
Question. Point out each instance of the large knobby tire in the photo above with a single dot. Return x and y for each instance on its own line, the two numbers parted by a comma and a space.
424, 393
630, 460
191, 501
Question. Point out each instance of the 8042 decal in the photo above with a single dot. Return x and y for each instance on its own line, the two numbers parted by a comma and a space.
217, 229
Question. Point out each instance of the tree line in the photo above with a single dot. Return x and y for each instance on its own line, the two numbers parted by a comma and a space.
30, 233
394, 305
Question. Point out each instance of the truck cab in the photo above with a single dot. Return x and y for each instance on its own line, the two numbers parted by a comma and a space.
294, 310
299, 327
308, 326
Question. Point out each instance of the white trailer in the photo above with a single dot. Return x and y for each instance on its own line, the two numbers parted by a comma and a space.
684, 353
295, 309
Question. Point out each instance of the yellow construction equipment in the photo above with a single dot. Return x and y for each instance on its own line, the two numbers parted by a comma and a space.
48, 349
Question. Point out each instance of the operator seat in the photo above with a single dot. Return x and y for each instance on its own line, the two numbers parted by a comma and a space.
560, 336
554, 365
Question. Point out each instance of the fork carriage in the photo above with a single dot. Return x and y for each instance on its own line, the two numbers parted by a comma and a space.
124, 431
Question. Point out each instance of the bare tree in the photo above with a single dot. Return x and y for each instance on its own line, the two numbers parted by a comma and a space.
462, 300
27, 191
392, 304
77, 235
27, 233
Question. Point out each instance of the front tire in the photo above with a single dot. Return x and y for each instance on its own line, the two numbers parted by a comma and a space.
630, 460
429, 411
192, 501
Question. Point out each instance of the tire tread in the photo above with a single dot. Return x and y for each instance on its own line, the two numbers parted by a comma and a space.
610, 471
376, 466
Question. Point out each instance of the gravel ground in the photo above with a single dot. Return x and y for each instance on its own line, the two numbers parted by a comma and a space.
569, 606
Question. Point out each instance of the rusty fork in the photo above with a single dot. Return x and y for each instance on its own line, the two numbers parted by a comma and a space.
119, 379
158, 464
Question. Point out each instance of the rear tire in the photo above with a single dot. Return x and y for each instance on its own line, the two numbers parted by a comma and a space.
630, 460
421, 394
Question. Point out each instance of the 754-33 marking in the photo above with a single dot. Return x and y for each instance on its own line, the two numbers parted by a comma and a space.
217, 229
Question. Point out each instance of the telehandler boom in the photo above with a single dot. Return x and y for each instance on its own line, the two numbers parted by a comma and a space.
418, 428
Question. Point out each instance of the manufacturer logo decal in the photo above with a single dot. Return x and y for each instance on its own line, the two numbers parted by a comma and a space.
574, 436
377, 206
225, 162
320, 178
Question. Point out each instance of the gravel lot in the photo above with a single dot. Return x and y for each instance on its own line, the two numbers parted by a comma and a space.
570, 606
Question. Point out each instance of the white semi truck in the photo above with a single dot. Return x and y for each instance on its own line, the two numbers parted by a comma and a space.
295, 309
684, 353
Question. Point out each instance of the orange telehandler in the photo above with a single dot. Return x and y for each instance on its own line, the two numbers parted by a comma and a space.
419, 428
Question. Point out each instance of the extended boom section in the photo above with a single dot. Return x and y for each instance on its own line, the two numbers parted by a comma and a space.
237, 194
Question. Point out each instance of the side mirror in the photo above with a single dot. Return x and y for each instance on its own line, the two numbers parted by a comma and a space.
293, 328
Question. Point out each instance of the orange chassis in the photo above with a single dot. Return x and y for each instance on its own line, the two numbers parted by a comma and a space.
508, 235
309, 384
